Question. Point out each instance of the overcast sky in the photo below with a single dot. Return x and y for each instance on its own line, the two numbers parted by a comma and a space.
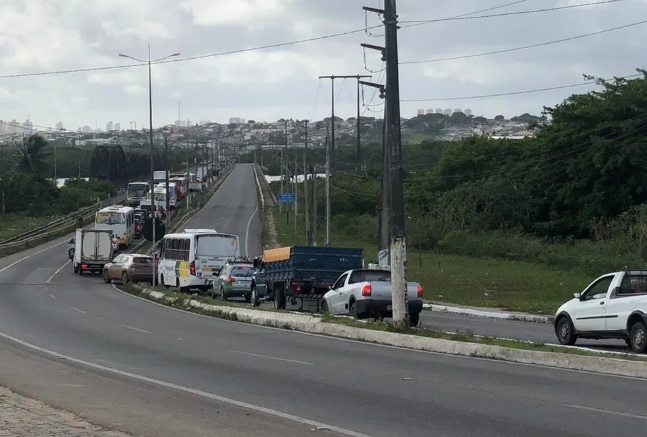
40, 36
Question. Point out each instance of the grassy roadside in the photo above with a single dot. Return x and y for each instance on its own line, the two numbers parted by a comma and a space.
223, 310
491, 283
12, 225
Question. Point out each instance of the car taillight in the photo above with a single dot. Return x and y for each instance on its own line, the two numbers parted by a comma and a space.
192, 268
367, 290
419, 290
84, 266
229, 280
299, 288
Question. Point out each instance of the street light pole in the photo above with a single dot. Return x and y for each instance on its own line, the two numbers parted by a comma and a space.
152, 149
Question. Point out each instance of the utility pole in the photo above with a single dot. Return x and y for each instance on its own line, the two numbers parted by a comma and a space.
168, 194
314, 206
296, 190
328, 214
306, 187
332, 120
393, 141
197, 150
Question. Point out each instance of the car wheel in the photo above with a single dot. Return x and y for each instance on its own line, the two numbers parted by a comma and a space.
106, 277
324, 306
638, 337
70, 253
353, 310
124, 278
565, 332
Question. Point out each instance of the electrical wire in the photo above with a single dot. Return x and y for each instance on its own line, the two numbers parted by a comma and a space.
411, 23
515, 93
514, 49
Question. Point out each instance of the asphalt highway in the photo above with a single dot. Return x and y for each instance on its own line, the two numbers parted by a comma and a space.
154, 370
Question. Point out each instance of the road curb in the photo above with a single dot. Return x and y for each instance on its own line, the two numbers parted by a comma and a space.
314, 325
520, 317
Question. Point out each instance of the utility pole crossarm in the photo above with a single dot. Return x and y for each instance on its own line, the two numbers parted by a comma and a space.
375, 10
377, 48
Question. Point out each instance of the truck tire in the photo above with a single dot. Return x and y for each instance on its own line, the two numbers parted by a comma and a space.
414, 319
279, 299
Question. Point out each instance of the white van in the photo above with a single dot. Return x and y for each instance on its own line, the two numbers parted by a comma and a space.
193, 258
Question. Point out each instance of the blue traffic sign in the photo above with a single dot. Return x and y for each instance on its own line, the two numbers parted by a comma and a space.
288, 197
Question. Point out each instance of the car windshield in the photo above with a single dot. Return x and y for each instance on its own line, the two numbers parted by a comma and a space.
137, 190
242, 271
217, 245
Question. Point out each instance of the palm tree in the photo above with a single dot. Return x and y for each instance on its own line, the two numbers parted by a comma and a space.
31, 155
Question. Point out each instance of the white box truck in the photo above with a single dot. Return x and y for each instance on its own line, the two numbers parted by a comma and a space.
94, 249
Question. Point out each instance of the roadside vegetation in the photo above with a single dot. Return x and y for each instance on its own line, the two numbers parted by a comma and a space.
515, 224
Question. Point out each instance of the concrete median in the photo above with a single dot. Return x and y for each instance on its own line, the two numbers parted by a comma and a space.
315, 325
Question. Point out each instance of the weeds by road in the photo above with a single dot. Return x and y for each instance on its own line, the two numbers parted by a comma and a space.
492, 283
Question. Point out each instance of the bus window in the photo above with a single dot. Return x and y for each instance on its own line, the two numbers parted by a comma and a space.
217, 245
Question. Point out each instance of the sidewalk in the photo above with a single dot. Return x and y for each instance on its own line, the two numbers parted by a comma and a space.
492, 313
24, 417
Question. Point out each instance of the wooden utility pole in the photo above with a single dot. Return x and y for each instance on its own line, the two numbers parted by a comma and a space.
393, 142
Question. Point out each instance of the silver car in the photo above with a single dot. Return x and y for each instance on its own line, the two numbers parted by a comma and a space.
234, 280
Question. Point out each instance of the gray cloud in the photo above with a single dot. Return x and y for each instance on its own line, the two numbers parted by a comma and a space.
280, 82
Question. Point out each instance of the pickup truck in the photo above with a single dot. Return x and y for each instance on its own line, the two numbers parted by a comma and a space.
612, 306
301, 274
364, 293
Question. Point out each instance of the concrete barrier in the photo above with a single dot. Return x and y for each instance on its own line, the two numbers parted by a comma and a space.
314, 325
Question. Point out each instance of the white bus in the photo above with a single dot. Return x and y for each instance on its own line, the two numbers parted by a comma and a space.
137, 192
120, 220
193, 258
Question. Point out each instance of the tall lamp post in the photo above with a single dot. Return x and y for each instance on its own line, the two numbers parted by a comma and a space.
150, 132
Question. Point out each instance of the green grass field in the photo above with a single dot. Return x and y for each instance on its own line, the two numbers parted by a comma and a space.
14, 224
492, 283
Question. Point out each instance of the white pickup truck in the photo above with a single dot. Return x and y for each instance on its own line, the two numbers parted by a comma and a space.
612, 306
364, 293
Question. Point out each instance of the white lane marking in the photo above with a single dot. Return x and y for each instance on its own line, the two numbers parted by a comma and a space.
615, 413
30, 255
249, 222
77, 310
234, 402
52, 296
271, 358
135, 329
384, 346
57, 272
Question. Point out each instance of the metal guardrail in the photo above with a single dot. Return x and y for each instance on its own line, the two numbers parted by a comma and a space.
59, 224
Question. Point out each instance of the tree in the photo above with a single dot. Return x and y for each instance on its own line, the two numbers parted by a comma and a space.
32, 155
499, 117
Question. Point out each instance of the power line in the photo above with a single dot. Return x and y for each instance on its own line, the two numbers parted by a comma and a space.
503, 14
514, 49
514, 93
192, 58
493, 8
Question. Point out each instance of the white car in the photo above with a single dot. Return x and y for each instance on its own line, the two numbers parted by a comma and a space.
612, 306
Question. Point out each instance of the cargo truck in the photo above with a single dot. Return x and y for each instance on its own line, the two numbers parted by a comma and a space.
301, 275
94, 249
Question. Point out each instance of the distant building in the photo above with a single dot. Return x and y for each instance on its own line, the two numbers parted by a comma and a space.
117, 127
236, 120
447, 111
468, 112
59, 126
439, 110
109, 127
421, 112
457, 111
27, 127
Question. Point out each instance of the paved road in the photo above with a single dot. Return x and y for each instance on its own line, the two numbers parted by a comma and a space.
166, 372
